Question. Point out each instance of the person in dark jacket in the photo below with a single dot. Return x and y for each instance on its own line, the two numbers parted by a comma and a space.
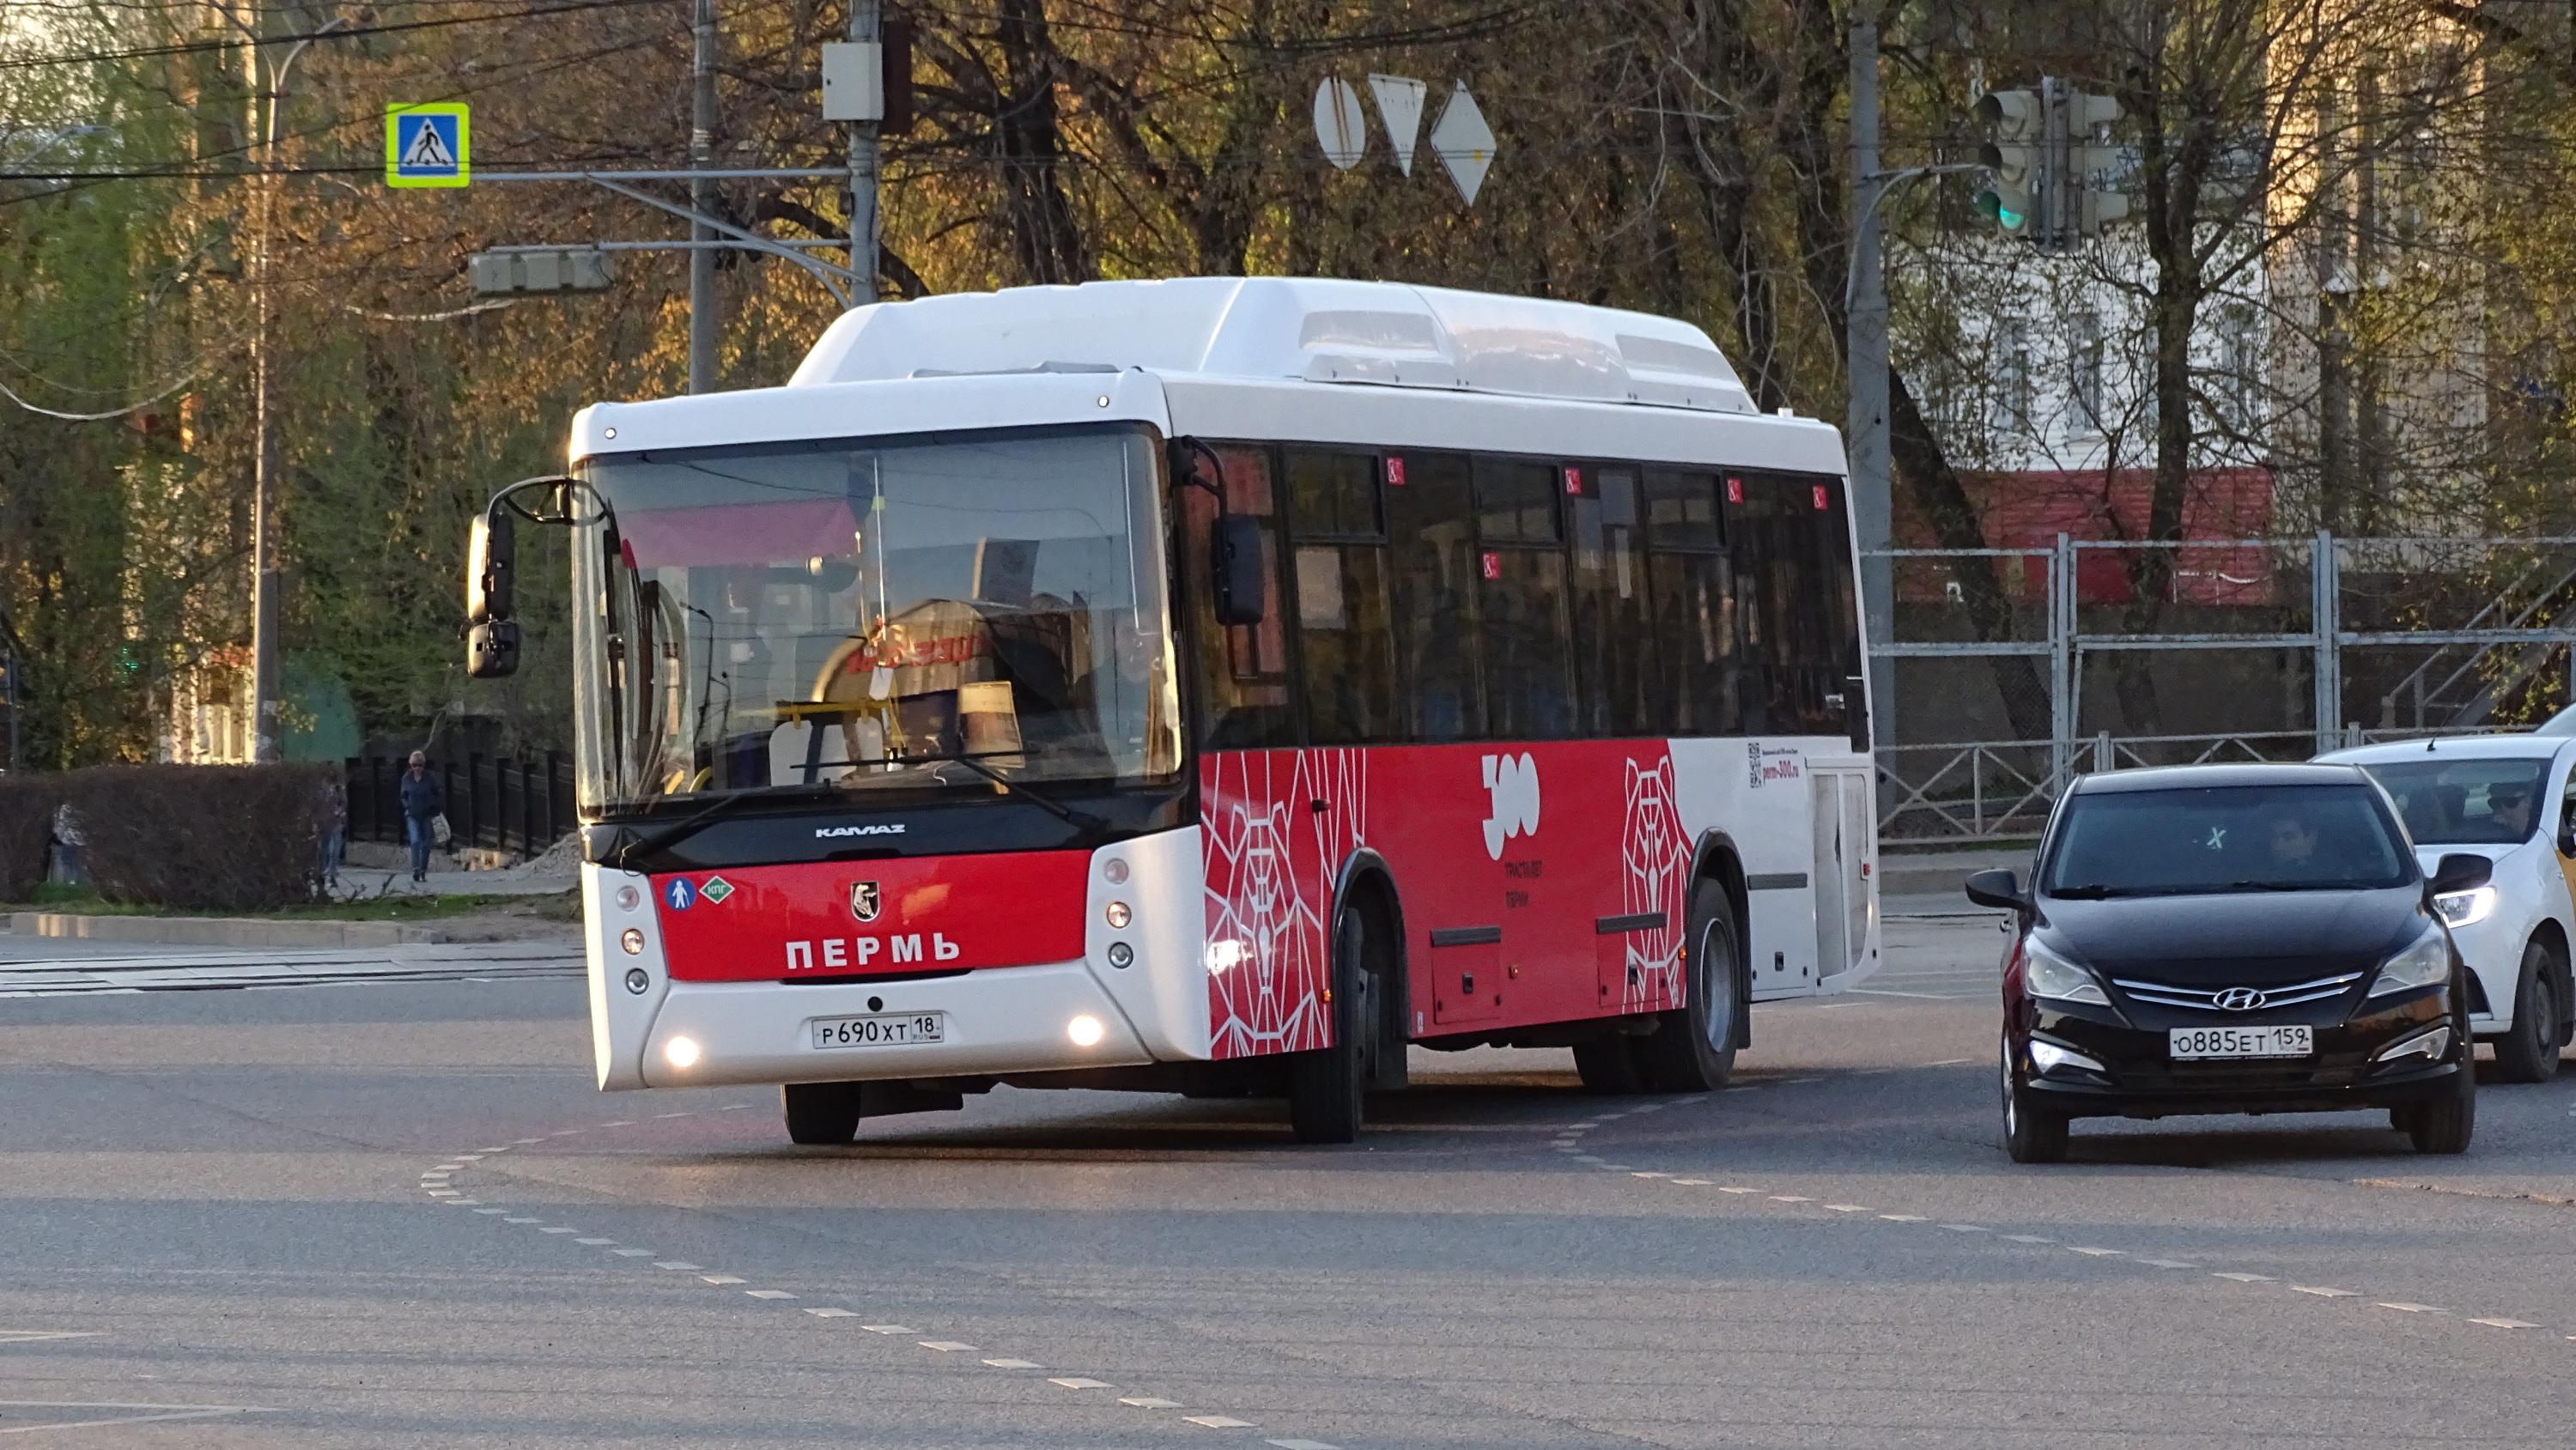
422, 803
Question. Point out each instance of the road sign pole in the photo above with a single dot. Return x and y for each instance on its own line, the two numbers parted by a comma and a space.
702, 143
864, 30
1865, 349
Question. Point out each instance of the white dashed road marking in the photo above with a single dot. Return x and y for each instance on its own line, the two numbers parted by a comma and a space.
1077, 1382
2404, 1308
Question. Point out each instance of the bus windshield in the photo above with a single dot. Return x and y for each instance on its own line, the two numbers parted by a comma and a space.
860, 615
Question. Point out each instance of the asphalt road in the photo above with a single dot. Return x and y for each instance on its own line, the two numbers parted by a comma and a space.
396, 1214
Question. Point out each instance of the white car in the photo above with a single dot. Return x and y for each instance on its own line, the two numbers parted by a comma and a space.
2508, 798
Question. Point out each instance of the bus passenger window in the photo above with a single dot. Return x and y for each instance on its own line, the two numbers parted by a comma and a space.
1698, 679
1430, 524
1792, 561
1528, 634
1611, 628
1345, 632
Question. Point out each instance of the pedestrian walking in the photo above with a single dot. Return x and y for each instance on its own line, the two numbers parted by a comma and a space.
423, 803
331, 830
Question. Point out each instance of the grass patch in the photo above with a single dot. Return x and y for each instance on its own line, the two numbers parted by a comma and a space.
559, 906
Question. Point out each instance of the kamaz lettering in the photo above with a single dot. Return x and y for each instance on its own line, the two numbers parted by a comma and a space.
825, 833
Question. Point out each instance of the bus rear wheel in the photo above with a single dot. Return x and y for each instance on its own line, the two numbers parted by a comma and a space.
1328, 1087
820, 1114
1692, 1049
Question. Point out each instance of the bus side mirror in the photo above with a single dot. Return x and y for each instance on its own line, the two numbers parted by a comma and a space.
489, 558
1856, 711
1242, 595
491, 649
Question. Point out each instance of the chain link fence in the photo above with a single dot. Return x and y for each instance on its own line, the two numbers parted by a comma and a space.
2009, 671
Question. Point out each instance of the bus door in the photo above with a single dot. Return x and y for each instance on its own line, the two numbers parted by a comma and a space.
1843, 850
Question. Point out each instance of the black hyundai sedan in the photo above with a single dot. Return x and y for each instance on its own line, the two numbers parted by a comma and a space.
2231, 939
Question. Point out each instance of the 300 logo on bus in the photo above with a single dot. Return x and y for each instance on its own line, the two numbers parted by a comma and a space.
1512, 781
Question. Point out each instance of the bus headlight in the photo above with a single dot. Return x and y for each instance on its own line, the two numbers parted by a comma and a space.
1085, 1030
681, 1052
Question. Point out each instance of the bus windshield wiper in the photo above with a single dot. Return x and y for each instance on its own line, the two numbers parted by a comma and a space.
689, 825
1078, 819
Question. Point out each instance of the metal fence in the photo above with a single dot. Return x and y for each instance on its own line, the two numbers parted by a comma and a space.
505, 804
2012, 670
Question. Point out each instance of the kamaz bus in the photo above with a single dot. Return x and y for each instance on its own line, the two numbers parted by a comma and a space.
1211, 685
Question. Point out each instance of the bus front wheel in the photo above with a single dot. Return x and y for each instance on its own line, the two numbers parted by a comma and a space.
1328, 1087
820, 1114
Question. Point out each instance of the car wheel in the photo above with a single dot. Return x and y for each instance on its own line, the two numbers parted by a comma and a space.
1328, 1087
820, 1114
2446, 1125
2032, 1134
2529, 1051
1693, 1046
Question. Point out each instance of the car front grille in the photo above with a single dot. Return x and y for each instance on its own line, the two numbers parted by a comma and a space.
2205, 999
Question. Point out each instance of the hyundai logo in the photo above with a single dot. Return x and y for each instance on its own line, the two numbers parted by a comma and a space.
2241, 999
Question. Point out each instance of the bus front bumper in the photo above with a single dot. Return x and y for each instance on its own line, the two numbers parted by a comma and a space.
1009, 1019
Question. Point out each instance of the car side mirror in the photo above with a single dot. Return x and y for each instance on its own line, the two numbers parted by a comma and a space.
2567, 836
2457, 872
1242, 592
491, 555
1997, 888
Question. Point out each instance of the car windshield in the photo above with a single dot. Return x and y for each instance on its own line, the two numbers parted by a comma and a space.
2225, 838
2492, 802
855, 615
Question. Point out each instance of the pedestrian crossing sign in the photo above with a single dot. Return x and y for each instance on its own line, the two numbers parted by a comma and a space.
427, 145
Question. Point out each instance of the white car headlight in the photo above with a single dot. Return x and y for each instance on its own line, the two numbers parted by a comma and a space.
2426, 963
2052, 976
2466, 908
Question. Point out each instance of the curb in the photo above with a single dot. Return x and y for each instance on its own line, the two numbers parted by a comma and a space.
220, 931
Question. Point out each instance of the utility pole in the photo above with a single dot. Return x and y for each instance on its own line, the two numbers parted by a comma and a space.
264, 606
1865, 335
703, 321
864, 30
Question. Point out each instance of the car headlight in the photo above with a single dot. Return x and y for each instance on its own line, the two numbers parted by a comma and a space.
2049, 975
2427, 963
2466, 908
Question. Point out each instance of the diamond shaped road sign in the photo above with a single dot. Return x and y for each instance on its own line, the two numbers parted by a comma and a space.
1464, 143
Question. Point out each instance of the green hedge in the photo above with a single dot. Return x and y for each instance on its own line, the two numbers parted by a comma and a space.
198, 837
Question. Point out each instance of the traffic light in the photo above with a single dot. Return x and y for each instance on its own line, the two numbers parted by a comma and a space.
2014, 154
2095, 163
506, 270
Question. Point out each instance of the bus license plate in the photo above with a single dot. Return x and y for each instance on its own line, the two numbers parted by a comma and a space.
893, 1030
2189, 1044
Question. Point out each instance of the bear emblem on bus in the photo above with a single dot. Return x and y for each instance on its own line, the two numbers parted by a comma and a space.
1512, 782
865, 901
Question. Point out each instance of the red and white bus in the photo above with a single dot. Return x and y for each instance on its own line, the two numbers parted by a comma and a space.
1213, 685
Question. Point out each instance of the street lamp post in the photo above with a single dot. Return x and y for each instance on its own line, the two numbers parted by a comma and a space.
266, 583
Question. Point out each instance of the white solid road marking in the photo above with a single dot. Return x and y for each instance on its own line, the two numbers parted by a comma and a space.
1218, 1422
2246, 1278
142, 1414
947, 1346
723, 1279
769, 1293
1950, 1062
1149, 1402
834, 1313
31, 1336
1918, 996
2404, 1308
1077, 1382
1003, 1363
2504, 1323
2323, 1293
